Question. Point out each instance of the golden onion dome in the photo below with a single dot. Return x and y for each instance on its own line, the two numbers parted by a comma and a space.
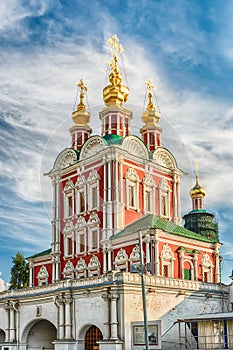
197, 191
115, 93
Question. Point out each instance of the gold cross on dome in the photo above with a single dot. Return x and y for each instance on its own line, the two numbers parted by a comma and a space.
114, 43
82, 86
149, 85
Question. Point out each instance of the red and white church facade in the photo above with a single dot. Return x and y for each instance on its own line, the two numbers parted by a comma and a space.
84, 293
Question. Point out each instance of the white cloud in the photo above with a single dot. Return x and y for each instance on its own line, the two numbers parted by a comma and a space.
2, 284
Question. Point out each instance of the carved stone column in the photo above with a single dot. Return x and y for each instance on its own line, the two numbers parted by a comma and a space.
113, 315
217, 263
109, 259
68, 321
195, 259
31, 274
59, 302
147, 240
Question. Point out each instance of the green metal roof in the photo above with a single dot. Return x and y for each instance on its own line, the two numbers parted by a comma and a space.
113, 139
45, 252
153, 221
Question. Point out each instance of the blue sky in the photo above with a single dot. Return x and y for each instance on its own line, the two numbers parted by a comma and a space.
185, 47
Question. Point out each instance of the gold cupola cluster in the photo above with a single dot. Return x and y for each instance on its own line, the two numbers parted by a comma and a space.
81, 117
115, 94
197, 191
151, 116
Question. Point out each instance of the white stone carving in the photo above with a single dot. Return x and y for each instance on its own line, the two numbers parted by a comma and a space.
65, 158
164, 158
205, 261
81, 268
148, 181
81, 181
69, 186
135, 146
132, 175
135, 254
94, 266
163, 186
42, 276
92, 146
121, 260
68, 227
68, 271
93, 219
81, 223
166, 253
93, 176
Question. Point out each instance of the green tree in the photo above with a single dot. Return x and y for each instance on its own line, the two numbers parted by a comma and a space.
19, 272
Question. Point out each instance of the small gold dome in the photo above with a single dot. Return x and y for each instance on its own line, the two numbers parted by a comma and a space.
197, 191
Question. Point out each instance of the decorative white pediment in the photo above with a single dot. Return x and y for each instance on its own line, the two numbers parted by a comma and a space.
133, 145
121, 257
164, 158
94, 263
163, 186
66, 158
166, 253
93, 219
94, 266
81, 181
69, 186
205, 261
92, 146
68, 270
43, 273
148, 180
93, 176
81, 223
135, 254
132, 175
68, 227
81, 266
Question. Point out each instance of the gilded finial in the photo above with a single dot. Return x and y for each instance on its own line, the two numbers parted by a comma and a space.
150, 88
116, 93
196, 166
114, 44
81, 106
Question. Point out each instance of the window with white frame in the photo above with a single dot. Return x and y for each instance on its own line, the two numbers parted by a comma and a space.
132, 189
80, 229
80, 194
93, 236
69, 239
148, 193
164, 198
207, 267
81, 242
93, 190
69, 198
167, 261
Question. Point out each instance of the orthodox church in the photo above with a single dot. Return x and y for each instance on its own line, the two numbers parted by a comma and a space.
119, 254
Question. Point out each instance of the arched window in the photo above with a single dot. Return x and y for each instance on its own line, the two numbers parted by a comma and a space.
93, 190
69, 199
207, 267
167, 261
132, 189
148, 194
81, 241
93, 232
164, 199
80, 187
68, 233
